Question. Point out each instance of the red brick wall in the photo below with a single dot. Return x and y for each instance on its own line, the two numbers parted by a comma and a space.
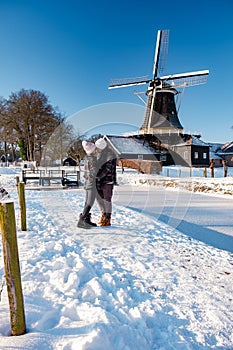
143, 166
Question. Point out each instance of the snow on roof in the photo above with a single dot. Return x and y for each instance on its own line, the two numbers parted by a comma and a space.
128, 145
215, 146
193, 140
214, 155
198, 142
226, 149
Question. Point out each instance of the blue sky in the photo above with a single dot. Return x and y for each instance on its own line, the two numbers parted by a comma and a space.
70, 50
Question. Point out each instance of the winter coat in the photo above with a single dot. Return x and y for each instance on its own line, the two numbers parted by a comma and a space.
107, 168
90, 168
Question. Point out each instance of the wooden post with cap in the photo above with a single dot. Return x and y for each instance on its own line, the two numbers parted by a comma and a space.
22, 205
12, 269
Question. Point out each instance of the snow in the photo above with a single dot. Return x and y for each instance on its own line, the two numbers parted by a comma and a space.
129, 145
139, 284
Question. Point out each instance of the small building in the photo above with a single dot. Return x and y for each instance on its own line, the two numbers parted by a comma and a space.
192, 152
135, 154
69, 162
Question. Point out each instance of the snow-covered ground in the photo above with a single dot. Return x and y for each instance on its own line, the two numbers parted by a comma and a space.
139, 284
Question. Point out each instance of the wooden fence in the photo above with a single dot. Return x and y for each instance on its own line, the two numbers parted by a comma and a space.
44, 176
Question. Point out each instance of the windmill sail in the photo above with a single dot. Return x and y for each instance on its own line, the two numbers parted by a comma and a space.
186, 79
118, 83
161, 51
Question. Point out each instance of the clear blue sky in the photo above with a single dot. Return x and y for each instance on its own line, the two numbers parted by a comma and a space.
70, 50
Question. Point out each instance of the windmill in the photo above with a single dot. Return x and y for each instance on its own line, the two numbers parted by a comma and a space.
161, 112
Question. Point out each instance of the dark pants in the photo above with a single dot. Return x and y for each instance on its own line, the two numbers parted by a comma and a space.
104, 197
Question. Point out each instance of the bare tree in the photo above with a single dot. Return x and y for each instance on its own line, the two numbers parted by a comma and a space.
59, 143
8, 139
33, 118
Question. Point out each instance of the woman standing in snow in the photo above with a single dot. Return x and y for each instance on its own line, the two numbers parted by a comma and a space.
90, 169
105, 180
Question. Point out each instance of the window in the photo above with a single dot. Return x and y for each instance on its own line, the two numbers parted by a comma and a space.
204, 155
196, 155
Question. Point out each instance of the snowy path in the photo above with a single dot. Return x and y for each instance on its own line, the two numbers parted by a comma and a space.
139, 284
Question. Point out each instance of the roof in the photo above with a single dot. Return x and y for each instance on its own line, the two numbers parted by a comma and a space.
214, 147
214, 155
227, 148
128, 145
193, 140
198, 142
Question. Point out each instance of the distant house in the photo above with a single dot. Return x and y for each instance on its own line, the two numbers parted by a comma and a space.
69, 162
192, 152
226, 153
134, 154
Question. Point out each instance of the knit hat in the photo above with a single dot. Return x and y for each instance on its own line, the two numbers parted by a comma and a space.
88, 147
101, 143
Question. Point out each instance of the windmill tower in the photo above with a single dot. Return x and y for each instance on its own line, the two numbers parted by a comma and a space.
161, 113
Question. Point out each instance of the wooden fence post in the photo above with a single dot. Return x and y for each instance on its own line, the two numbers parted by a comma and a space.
212, 167
12, 269
17, 180
224, 163
205, 172
22, 204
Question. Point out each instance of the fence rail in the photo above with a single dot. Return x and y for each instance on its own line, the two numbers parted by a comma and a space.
44, 176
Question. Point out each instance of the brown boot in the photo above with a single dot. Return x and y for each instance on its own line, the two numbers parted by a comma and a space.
103, 217
106, 221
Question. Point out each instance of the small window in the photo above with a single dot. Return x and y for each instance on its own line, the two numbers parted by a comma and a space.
204, 155
196, 155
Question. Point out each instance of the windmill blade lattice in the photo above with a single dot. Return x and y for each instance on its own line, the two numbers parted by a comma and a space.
118, 83
160, 60
186, 79
161, 52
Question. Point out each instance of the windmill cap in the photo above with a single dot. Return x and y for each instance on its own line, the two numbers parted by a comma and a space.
101, 143
88, 147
